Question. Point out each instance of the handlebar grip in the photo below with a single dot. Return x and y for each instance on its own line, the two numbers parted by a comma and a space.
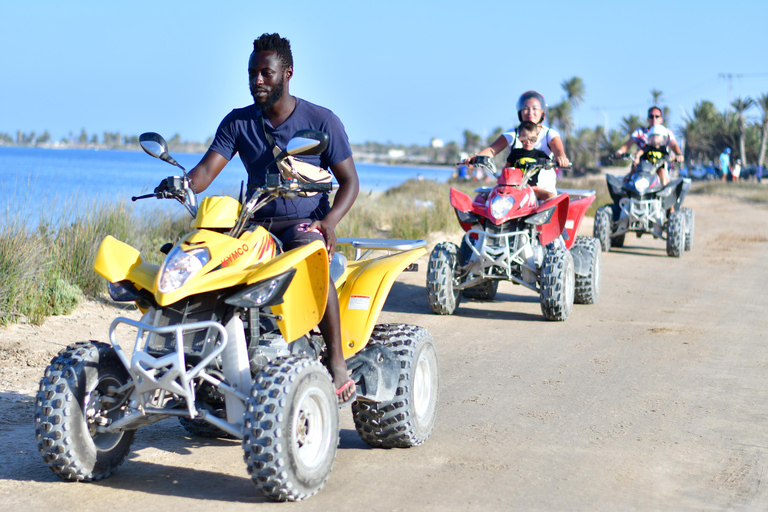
145, 196
316, 187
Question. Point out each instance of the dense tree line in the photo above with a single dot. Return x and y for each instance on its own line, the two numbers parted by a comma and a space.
704, 135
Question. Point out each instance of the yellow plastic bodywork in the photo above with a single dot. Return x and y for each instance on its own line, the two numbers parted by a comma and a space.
216, 212
118, 261
304, 301
231, 259
363, 289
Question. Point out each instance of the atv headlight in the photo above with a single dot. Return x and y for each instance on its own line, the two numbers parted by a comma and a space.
541, 217
179, 266
641, 185
500, 206
264, 293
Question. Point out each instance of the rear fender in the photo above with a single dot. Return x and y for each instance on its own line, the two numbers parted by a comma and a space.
305, 298
576, 210
364, 292
117, 261
554, 228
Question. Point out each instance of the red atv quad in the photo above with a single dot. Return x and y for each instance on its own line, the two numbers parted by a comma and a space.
511, 236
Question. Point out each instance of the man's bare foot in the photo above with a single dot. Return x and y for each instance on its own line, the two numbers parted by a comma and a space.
345, 387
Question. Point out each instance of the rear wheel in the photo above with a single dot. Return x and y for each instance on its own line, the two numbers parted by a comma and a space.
689, 225
675, 234
602, 227
442, 295
588, 284
291, 428
557, 284
409, 418
76, 396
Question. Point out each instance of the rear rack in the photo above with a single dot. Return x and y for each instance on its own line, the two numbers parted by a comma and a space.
576, 192
379, 244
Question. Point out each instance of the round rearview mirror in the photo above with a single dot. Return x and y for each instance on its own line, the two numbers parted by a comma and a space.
153, 144
307, 142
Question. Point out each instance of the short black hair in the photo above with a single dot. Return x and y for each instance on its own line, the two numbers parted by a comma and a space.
655, 108
528, 126
275, 43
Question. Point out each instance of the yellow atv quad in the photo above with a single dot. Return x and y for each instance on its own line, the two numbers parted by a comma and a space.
227, 344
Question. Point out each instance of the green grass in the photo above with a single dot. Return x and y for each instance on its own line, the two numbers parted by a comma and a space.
47, 270
743, 191
596, 183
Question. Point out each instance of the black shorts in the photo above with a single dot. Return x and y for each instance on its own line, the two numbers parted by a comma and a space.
291, 232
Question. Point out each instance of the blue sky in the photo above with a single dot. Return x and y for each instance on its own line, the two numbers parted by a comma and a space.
395, 71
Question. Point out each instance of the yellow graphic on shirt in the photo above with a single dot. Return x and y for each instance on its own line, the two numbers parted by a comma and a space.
654, 156
524, 161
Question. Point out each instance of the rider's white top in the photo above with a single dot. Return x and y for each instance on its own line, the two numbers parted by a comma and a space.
640, 136
547, 177
546, 135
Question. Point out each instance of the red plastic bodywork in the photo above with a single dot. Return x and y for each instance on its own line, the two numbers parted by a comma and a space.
567, 216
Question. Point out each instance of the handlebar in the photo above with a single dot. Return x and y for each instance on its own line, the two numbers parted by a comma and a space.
317, 187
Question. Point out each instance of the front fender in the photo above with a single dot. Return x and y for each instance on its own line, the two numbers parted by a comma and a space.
364, 292
554, 228
576, 210
305, 298
117, 261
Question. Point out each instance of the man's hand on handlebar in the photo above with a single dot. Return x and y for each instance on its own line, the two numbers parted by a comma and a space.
171, 187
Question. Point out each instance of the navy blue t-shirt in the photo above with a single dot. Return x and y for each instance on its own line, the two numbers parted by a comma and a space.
241, 132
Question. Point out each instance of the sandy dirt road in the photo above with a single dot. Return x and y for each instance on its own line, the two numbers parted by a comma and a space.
656, 398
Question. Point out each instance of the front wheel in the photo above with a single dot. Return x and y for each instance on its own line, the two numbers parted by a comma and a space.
675, 234
557, 284
588, 283
291, 428
409, 418
442, 295
602, 226
78, 394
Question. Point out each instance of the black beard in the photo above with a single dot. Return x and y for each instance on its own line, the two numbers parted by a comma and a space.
272, 98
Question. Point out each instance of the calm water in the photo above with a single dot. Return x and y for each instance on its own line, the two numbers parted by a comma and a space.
36, 181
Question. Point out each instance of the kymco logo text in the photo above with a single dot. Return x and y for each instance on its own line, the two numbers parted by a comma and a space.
234, 255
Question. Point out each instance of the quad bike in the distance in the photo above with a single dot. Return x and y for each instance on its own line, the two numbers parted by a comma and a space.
511, 236
642, 205
227, 344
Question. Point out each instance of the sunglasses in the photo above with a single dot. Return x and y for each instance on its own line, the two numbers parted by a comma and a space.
652, 116
530, 140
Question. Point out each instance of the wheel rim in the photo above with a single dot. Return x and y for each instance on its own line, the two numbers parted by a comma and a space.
422, 387
570, 281
96, 413
311, 428
596, 270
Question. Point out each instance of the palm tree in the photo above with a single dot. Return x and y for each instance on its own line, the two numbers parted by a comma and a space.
762, 102
740, 106
630, 123
472, 141
560, 117
656, 95
574, 91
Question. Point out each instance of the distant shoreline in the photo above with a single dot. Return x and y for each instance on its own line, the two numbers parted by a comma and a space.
200, 149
